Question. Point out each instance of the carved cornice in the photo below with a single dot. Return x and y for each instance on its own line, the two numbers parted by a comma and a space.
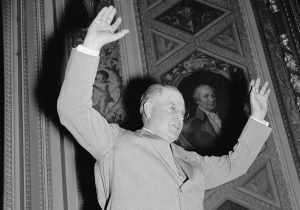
295, 7
274, 6
285, 37
44, 152
140, 36
22, 65
124, 73
280, 69
292, 67
8, 109
25, 107
291, 9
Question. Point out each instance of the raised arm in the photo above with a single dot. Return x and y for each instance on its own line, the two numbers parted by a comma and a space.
74, 104
219, 170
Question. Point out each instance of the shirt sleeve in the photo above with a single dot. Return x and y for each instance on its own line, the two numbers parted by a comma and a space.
261, 121
88, 51
75, 109
219, 170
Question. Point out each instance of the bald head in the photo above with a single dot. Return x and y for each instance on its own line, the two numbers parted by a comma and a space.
152, 93
162, 108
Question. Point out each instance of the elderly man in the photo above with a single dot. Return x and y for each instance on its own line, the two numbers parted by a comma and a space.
201, 132
144, 169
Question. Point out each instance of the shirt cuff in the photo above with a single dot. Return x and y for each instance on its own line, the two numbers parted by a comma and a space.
88, 51
261, 121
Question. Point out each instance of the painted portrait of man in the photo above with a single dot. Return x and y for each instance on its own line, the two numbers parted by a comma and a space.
216, 113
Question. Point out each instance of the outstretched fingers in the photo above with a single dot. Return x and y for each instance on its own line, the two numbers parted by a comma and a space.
106, 14
256, 85
263, 89
116, 24
254, 88
101, 14
267, 93
109, 15
120, 34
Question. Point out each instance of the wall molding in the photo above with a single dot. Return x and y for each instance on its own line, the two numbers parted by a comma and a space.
8, 197
29, 176
280, 79
280, 99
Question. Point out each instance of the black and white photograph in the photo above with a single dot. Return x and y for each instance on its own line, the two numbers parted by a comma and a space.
150, 105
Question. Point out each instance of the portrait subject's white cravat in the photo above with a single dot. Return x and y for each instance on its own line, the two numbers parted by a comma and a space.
214, 119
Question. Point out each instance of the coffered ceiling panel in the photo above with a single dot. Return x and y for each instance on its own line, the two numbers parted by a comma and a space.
200, 62
228, 204
211, 25
261, 184
228, 38
152, 3
164, 45
191, 16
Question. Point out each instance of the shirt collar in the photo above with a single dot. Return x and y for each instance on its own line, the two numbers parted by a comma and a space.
146, 129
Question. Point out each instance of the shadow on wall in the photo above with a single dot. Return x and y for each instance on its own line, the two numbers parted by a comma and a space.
132, 96
48, 88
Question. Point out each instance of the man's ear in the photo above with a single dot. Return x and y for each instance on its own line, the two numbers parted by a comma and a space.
148, 109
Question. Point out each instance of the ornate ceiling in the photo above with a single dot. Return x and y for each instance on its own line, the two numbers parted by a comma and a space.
192, 32
182, 40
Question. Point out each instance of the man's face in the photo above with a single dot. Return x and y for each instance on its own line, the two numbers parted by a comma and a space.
166, 115
205, 97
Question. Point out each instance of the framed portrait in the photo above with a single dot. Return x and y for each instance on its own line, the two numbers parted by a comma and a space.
214, 130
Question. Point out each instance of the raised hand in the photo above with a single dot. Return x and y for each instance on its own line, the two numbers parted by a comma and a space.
101, 31
259, 99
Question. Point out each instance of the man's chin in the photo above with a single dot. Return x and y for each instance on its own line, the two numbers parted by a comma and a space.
173, 138
212, 108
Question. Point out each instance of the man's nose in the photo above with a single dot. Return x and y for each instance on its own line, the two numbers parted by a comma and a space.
211, 98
